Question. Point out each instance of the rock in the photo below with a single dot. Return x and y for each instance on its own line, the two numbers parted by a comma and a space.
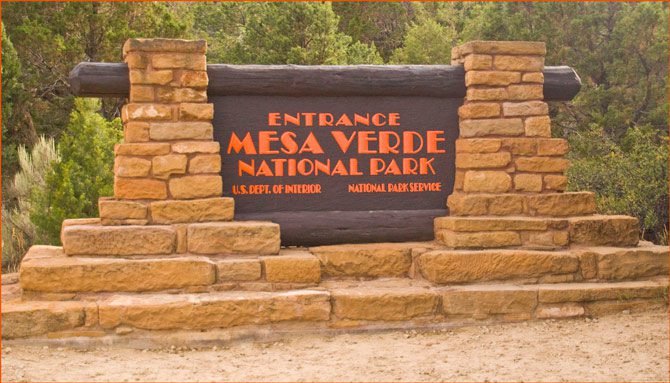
365, 260
118, 240
292, 266
384, 304
197, 210
483, 301
247, 237
238, 269
604, 230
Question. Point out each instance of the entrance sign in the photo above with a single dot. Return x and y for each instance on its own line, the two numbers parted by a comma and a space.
334, 154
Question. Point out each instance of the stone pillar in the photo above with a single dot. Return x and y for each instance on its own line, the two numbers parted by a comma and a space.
168, 168
510, 179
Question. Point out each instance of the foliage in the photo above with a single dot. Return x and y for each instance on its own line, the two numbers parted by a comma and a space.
16, 122
282, 33
620, 50
84, 173
426, 43
18, 231
630, 178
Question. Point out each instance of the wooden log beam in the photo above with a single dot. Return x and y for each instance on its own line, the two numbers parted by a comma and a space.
91, 79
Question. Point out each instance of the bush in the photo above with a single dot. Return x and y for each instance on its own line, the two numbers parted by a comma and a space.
629, 178
83, 175
18, 231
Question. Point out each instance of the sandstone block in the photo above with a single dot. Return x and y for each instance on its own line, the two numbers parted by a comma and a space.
365, 260
482, 161
479, 110
630, 263
486, 182
519, 63
561, 204
150, 77
534, 77
179, 61
164, 45
197, 210
137, 60
604, 230
560, 311
238, 269
541, 164
213, 310
131, 166
478, 145
165, 166
552, 146
554, 182
136, 132
482, 204
76, 274
384, 304
149, 112
586, 292
486, 127
477, 240
196, 111
200, 186
35, 318
139, 188
504, 48
74, 222
528, 108
525, 92
292, 267
118, 240
481, 302
168, 131
538, 126
144, 149
189, 95
487, 94
498, 223
520, 146
478, 62
117, 209
208, 163
247, 237
466, 266
528, 182
194, 79
195, 147
491, 78
141, 93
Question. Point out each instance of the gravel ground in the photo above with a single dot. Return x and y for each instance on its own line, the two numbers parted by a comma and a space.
622, 347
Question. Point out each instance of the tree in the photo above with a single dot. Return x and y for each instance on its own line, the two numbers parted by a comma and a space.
426, 43
17, 126
84, 174
282, 33
18, 231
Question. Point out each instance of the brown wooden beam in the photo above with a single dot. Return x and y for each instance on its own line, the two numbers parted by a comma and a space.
89, 79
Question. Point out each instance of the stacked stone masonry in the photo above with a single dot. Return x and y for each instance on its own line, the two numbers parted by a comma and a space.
510, 173
165, 253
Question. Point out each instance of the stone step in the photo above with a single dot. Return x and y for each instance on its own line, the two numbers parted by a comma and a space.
133, 212
373, 260
445, 266
46, 269
536, 233
209, 238
536, 205
341, 304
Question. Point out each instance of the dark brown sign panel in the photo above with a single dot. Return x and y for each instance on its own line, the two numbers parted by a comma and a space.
425, 98
339, 169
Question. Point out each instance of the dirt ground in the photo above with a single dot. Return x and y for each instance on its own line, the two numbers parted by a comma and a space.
622, 347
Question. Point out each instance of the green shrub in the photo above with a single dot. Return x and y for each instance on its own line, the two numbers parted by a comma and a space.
83, 175
18, 231
628, 178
